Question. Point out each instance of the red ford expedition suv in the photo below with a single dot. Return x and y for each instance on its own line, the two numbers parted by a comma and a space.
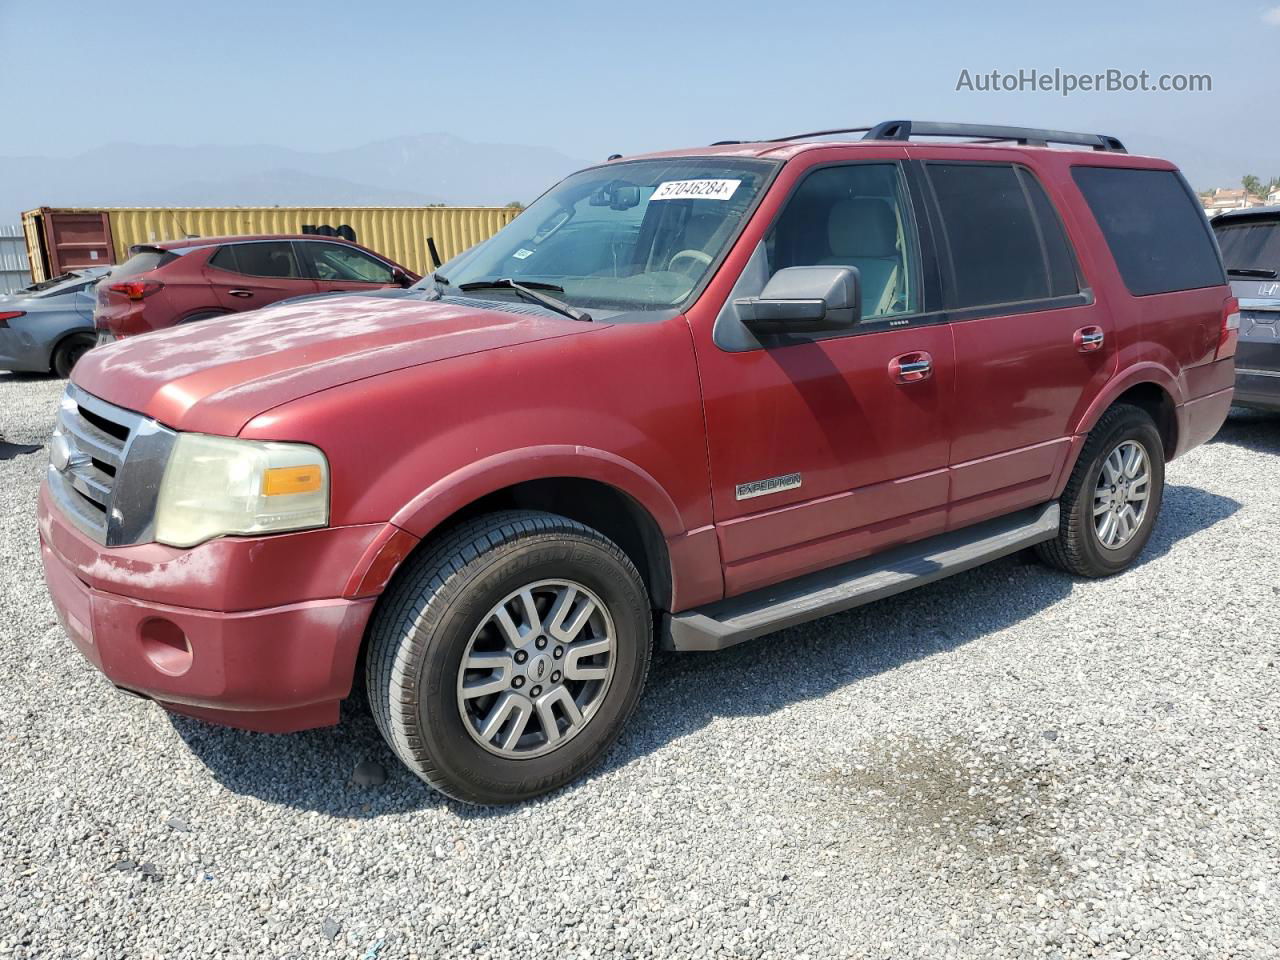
688, 399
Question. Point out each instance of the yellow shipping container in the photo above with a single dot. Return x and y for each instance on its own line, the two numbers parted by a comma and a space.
65, 239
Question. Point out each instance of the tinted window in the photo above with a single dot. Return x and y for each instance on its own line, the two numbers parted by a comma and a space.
852, 216
1154, 227
270, 258
1001, 237
224, 258
335, 261
142, 261
1060, 259
1250, 244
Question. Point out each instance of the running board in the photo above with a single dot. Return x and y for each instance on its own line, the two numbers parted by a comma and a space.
722, 624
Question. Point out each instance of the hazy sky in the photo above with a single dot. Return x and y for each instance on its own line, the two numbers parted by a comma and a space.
595, 78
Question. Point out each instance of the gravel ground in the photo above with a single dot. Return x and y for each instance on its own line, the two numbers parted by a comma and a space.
1006, 764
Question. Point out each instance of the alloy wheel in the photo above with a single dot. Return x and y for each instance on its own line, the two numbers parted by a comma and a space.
1121, 498
536, 669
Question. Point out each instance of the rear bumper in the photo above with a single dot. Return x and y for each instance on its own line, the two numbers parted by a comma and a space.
1201, 418
1257, 388
278, 668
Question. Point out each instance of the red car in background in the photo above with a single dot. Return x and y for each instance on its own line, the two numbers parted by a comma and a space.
180, 281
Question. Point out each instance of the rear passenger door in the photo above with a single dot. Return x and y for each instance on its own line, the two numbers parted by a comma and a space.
256, 273
339, 267
1032, 347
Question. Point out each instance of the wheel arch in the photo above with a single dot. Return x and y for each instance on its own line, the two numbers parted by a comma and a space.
594, 487
598, 505
1153, 390
203, 313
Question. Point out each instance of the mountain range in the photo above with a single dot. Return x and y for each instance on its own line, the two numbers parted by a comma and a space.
409, 170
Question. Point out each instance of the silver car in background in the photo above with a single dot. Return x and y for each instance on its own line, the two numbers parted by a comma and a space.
49, 326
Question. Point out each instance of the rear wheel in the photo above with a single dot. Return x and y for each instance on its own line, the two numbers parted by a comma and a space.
69, 351
1111, 502
505, 661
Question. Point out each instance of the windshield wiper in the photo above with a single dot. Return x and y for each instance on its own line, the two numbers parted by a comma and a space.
1260, 273
530, 292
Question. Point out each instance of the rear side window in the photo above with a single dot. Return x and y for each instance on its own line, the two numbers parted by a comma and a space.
269, 258
1250, 245
1154, 226
1002, 238
143, 260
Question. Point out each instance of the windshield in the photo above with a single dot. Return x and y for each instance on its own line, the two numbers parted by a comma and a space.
628, 237
1254, 245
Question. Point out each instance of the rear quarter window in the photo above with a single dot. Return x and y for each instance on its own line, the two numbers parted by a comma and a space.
1154, 228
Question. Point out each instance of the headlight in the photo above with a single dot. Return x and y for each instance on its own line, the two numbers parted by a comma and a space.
214, 486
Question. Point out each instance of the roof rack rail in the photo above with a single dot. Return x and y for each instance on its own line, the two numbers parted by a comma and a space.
817, 133
1028, 136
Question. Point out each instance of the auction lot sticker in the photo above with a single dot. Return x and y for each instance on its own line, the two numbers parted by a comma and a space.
695, 190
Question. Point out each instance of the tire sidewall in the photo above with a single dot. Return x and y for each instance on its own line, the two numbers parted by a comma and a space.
439, 723
1139, 427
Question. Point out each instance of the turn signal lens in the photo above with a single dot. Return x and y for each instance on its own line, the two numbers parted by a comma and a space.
281, 480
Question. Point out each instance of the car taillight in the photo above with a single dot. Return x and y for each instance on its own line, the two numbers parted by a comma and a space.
8, 315
1230, 331
136, 289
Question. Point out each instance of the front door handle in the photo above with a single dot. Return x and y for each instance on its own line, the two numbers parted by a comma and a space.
240, 293
911, 367
1089, 339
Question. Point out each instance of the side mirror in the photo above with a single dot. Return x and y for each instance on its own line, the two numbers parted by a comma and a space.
804, 300
402, 278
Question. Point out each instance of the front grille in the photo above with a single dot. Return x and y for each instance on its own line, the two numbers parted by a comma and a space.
105, 466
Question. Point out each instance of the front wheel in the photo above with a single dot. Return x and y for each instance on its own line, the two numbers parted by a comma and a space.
504, 661
1111, 502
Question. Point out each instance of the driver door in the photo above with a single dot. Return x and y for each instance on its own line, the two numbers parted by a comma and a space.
820, 451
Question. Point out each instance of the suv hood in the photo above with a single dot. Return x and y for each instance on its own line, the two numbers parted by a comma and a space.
217, 375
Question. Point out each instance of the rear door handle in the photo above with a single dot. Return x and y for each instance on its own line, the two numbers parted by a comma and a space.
240, 293
911, 367
1089, 339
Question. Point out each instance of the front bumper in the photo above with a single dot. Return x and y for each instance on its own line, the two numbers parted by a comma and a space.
274, 668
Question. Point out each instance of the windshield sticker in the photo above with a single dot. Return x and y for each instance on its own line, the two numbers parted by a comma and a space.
522, 253
695, 190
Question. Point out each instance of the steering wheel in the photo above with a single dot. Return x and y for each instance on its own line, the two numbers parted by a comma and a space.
697, 256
